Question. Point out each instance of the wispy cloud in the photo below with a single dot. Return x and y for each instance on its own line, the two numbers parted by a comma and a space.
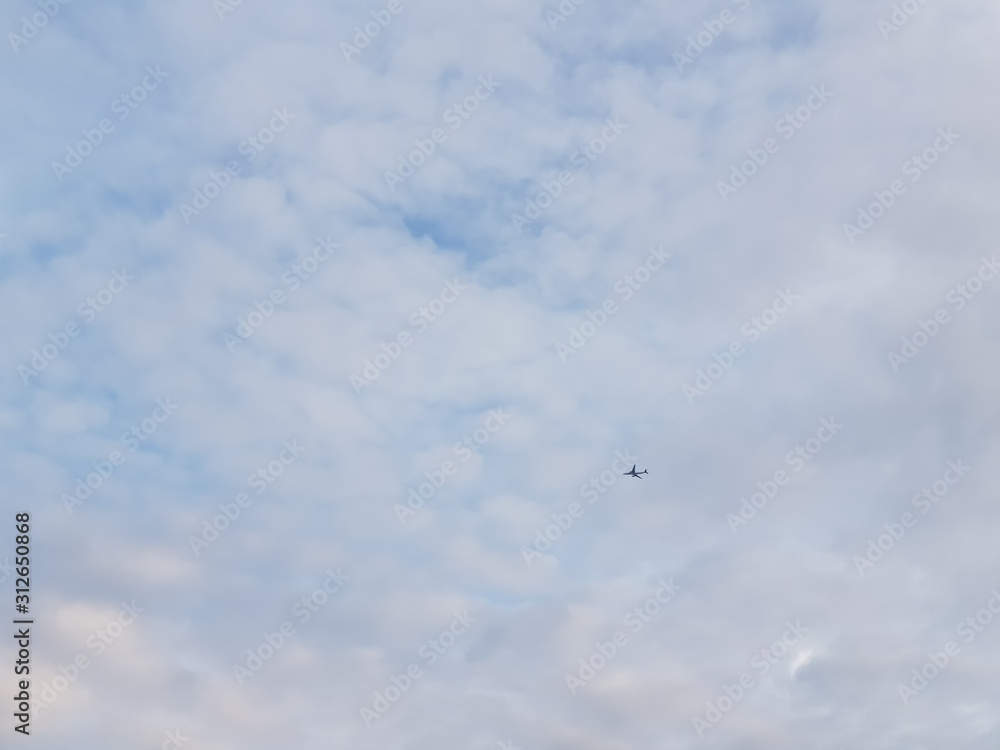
389, 293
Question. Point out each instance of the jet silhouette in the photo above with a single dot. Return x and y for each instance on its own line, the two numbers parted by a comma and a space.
633, 473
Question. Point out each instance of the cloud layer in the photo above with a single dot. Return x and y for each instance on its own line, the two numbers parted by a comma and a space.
331, 332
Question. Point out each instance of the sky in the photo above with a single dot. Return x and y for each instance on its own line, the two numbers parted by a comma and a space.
331, 332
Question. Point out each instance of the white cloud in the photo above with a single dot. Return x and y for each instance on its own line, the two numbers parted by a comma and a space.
494, 348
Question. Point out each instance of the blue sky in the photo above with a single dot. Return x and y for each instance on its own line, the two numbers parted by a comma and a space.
220, 301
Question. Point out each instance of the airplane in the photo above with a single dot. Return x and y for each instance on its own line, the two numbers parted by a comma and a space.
634, 474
